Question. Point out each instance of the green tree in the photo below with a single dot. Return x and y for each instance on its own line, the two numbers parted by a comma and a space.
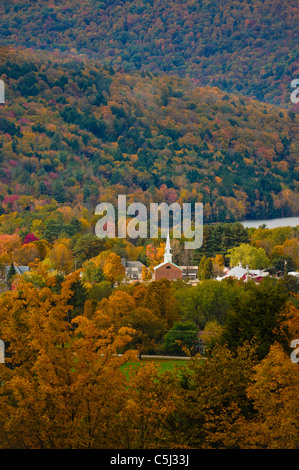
91, 273
87, 246
248, 255
149, 330
209, 300
59, 191
182, 336
208, 269
10, 275
256, 315
205, 268
99, 291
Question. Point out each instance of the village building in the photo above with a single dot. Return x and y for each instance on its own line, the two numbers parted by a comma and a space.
238, 272
19, 270
167, 269
294, 273
190, 273
133, 269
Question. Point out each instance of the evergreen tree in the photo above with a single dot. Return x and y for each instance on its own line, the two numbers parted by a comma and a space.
182, 334
59, 192
10, 275
208, 269
201, 267
205, 268
257, 315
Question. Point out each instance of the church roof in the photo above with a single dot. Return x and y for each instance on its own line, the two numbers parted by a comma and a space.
168, 262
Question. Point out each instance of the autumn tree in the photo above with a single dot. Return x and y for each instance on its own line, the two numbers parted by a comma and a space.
274, 392
4, 261
43, 247
8, 243
113, 268
26, 255
117, 306
218, 265
155, 254
289, 327
149, 403
147, 273
160, 300
213, 402
30, 238
61, 257
111, 265
62, 387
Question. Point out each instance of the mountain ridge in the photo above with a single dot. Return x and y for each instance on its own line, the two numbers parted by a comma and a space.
79, 133
240, 46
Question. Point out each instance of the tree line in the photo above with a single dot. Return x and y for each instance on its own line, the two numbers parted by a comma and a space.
64, 384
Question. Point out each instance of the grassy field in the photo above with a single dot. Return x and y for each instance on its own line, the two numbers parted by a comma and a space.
163, 364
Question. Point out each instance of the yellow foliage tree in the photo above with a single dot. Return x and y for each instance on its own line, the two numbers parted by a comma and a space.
147, 274
61, 257
218, 265
147, 406
26, 255
111, 265
64, 388
155, 254
113, 268
274, 392
8, 243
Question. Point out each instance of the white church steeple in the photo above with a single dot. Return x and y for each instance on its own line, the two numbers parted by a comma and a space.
167, 254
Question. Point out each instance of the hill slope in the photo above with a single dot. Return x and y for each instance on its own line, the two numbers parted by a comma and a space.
237, 45
75, 132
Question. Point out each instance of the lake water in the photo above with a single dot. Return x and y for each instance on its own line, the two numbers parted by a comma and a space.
272, 223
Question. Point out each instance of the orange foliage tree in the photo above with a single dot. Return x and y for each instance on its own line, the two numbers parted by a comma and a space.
62, 387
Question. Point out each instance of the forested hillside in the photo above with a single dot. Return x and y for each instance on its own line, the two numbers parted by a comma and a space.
238, 45
162, 101
79, 133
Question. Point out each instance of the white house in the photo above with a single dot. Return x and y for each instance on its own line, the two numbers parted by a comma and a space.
238, 272
133, 269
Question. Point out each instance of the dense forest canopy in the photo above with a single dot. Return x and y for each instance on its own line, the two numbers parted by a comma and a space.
238, 45
161, 101
76, 132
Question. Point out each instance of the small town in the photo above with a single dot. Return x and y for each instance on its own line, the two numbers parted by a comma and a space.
149, 231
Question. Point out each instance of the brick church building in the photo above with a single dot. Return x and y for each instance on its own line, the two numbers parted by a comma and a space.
168, 269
